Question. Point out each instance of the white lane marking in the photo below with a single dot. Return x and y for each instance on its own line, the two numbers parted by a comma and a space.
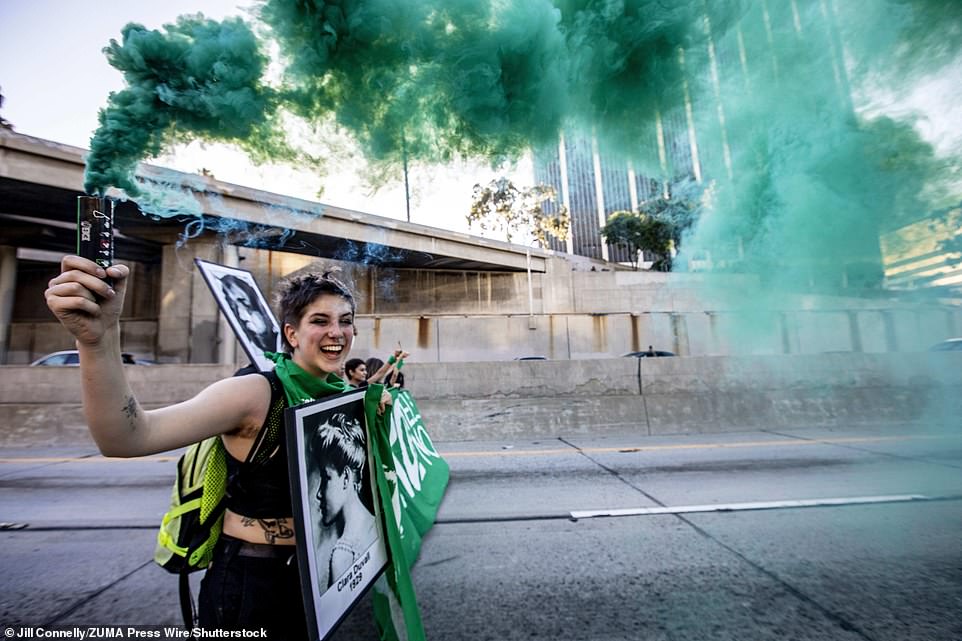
757, 505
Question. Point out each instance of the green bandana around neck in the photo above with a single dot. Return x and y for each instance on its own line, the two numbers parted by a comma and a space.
301, 386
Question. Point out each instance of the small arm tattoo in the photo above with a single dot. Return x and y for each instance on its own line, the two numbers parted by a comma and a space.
130, 410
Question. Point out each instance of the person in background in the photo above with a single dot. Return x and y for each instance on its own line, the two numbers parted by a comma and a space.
381, 369
355, 372
396, 380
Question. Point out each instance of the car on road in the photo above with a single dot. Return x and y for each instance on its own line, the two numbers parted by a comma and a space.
948, 345
530, 358
650, 353
71, 358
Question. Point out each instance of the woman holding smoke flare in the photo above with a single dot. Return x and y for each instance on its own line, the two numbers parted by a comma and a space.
253, 580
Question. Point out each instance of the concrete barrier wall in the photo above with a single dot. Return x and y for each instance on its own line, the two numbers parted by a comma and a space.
41, 405
469, 338
542, 399
687, 395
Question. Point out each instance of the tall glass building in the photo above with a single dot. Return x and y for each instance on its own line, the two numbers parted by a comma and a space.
784, 60
594, 182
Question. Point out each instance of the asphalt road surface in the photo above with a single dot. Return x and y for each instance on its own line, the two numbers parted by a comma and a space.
804, 534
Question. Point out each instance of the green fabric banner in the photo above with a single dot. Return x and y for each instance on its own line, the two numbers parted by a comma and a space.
411, 479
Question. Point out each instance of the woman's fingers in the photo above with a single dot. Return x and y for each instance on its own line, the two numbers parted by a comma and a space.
70, 263
384, 402
118, 272
60, 304
76, 263
90, 275
71, 282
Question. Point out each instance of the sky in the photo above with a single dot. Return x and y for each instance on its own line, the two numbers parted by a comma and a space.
55, 78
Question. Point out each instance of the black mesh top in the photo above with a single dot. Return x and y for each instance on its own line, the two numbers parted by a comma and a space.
259, 488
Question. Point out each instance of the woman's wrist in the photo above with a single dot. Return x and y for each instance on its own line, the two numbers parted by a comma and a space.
391, 360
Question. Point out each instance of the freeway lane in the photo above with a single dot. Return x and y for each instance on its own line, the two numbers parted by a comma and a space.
887, 571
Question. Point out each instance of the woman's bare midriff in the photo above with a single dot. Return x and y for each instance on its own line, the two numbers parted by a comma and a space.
259, 530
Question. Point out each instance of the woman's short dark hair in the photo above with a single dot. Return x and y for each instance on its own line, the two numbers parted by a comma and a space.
300, 291
352, 365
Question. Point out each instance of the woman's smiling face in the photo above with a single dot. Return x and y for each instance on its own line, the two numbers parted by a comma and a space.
323, 337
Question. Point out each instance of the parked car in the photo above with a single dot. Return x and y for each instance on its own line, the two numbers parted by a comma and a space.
650, 353
948, 345
530, 358
70, 357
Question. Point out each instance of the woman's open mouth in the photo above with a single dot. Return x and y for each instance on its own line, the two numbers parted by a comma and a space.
332, 350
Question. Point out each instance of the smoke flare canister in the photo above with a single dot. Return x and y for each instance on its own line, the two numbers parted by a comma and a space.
95, 229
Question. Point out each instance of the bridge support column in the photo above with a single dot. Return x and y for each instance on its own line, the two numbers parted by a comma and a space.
8, 288
187, 327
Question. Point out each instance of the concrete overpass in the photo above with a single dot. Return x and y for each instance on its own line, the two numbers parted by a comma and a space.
447, 297
40, 180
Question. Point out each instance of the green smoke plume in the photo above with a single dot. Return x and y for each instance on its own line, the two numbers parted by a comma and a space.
804, 183
430, 80
787, 102
198, 78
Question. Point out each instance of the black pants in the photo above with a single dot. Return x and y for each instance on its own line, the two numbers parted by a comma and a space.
250, 586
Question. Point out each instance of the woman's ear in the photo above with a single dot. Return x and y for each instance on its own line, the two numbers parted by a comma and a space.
290, 333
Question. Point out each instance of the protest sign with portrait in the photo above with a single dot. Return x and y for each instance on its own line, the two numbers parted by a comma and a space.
341, 548
247, 311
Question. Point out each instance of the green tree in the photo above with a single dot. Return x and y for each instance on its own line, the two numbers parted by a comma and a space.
657, 226
502, 205
641, 232
625, 228
680, 209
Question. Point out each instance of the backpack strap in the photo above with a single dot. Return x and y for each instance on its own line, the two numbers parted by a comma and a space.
186, 602
187, 609
265, 442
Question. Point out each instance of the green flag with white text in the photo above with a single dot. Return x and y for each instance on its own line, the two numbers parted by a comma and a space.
411, 479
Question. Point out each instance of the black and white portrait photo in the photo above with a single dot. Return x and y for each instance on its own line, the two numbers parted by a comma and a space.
338, 530
246, 310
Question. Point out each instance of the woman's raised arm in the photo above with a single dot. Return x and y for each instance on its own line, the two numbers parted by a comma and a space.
89, 308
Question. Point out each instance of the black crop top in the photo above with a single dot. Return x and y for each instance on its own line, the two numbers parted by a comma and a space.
259, 487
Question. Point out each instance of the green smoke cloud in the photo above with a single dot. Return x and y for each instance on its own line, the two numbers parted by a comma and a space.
197, 78
429, 80
805, 183
803, 176
426, 80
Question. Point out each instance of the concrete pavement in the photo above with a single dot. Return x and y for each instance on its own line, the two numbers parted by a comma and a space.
85, 556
